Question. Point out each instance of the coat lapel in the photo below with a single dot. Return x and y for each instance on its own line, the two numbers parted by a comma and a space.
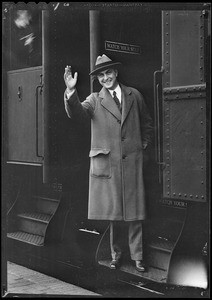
109, 104
127, 101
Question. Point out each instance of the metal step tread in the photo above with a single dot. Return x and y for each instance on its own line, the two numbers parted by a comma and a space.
162, 244
36, 216
152, 273
26, 237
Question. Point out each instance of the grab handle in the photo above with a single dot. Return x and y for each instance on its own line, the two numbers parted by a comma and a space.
36, 111
157, 122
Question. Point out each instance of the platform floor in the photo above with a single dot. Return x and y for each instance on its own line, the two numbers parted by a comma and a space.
21, 280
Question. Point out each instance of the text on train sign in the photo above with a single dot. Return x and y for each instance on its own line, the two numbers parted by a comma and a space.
120, 47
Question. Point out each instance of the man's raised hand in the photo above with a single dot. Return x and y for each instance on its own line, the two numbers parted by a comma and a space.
70, 81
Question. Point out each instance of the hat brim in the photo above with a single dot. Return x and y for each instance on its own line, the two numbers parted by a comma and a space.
104, 67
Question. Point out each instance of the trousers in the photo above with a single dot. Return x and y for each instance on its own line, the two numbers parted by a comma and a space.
135, 240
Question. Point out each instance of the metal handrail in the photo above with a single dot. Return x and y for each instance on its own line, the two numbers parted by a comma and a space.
36, 111
157, 122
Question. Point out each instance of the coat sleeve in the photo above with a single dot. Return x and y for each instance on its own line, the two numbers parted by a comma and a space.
146, 122
79, 110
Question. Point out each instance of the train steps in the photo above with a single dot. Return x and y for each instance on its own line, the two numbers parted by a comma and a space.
30, 219
161, 239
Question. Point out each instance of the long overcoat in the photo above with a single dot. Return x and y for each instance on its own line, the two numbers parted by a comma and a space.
116, 187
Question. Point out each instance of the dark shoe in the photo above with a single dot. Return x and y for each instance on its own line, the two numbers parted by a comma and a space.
140, 266
115, 264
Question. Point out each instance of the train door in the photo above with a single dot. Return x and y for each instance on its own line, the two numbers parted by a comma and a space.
25, 99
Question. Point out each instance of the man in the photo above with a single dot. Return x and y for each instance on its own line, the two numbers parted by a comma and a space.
121, 130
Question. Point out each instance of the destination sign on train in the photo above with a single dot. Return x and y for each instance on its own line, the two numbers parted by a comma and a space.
120, 47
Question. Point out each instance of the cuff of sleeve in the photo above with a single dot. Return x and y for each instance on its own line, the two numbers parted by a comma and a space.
68, 94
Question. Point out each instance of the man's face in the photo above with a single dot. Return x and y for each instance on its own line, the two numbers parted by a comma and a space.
107, 78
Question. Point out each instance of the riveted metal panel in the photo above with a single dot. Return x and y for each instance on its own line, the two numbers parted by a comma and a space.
184, 154
183, 48
166, 47
184, 106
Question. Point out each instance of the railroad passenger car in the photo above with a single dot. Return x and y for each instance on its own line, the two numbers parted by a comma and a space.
164, 49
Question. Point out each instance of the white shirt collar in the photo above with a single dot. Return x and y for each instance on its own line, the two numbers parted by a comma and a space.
118, 92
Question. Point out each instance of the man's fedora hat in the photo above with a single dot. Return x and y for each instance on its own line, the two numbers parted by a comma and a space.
102, 63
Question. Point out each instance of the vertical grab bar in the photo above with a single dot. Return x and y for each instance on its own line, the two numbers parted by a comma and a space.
36, 111
157, 122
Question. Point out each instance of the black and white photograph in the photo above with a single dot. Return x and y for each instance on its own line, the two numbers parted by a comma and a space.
106, 149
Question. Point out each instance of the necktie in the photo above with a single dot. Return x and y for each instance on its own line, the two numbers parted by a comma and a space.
116, 100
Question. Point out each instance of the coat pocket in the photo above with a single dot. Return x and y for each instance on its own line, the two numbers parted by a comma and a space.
100, 163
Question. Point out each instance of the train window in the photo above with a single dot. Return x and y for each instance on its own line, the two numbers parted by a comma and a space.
25, 39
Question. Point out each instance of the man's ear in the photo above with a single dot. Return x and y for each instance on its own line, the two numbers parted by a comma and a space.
116, 72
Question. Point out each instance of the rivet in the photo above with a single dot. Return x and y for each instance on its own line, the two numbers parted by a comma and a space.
202, 137
177, 97
191, 196
185, 195
167, 23
167, 14
167, 71
188, 96
202, 152
202, 197
174, 194
201, 107
167, 193
168, 186
167, 52
180, 194
202, 182
200, 94
167, 43
167, 33
201, 122
202, 168
196, 196
168, 179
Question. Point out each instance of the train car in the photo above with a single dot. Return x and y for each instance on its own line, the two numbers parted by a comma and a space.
164, 49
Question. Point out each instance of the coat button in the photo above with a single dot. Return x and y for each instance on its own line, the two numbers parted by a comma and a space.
123, 138
119, 121
124, 156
